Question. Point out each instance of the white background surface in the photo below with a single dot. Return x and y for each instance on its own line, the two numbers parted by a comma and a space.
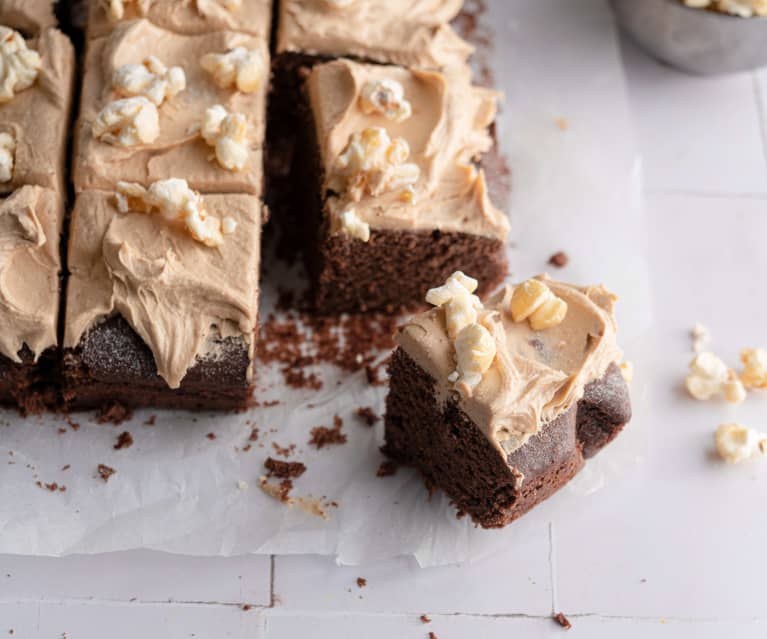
676, 548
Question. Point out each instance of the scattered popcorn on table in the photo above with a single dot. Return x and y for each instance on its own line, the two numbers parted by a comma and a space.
227, 134
386, 97
150, 79
533, 301
736, 443
239, 68
709, 376
627, 371
754, 373
128, 122
7, 156
700, 336
19, 65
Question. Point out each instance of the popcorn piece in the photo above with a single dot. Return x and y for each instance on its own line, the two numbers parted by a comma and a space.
7, 156
372, 164
128, 122
340, 4
211, 7
353, 225
474, 351
710, 377
241, 68
175, 201
627, 371
533, 301
115, 9
19, 65
227, 134
150, 79
736, 443
700, 335
754, 373
386, 97
740, 8
460, 305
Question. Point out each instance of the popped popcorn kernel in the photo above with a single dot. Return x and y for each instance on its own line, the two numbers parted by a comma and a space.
736, 443
128, 122
175, 201
700, 335
534, 301
19, 65
456, 296
207, 7
372, 164
7, 156
709, 377
353, 225
115, 9
386, 97
627, 371
150, 79
740, 8
227, 133
475, 351
754, 373
239, 68
339, 4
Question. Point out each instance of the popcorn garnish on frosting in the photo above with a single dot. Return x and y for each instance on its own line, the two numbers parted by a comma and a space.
206, 7
239, 68
150, 79
175, 201
116, 8
7, 156
19, 65
475, 347
741, 8
351, 224
534, 301
128, 122
339, 4
709, 376
372, 164
736, 443
754, 373
227, 134
386, 97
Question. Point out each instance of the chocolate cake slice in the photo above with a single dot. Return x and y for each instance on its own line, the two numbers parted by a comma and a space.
162, 301
30, 227
392, 198
499, 405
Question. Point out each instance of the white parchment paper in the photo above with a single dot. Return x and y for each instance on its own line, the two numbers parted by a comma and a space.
567, 129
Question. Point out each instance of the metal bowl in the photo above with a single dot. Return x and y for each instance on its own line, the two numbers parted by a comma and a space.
694, 40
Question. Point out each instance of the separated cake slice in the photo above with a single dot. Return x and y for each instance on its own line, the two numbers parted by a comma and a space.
391, 196
156, 104
498, 404
162, 300
30, 227
188, 17
35, 102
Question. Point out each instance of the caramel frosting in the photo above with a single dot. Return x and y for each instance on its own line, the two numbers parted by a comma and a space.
446, 131
180, 296
28, 16
405, 32
37, 118
30, 226
179, 150
536, 376
190, 17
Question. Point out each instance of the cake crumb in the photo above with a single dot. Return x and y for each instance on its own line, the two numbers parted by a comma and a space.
113, 413
75, 426
105, 472
246, 607
211, 436
361, 582
283, 451
124, 440
253, 434
425, 619
387, 468
560, 259
432, 636
151, 420
322, 436
66, 467
366, 414
562, 620
284, 470
281, 492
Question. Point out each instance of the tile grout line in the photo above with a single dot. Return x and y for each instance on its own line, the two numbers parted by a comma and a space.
553, 571
271, 581
761, 112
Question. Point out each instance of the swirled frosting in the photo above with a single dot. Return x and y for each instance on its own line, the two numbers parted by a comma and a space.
406, 32
30, 226
447, 131
177, 294
38, 117
536, 375
28, 16
190, 17
179, 149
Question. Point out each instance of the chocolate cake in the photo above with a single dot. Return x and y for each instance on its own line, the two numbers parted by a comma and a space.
498, 405
158, 315
393, 200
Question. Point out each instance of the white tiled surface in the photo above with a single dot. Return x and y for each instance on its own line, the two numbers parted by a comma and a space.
675, 549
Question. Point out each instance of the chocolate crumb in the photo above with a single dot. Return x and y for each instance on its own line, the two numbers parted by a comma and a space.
560, 259
284, 451
253, 435
61, 431
105, 472
151, 421
425, 619
323, 436
361, 582
211, 436
246, 607
387, 468
113, 413
432, 636
562, 620
124, 440
73, 424
366, 414
67, 467
284, 470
